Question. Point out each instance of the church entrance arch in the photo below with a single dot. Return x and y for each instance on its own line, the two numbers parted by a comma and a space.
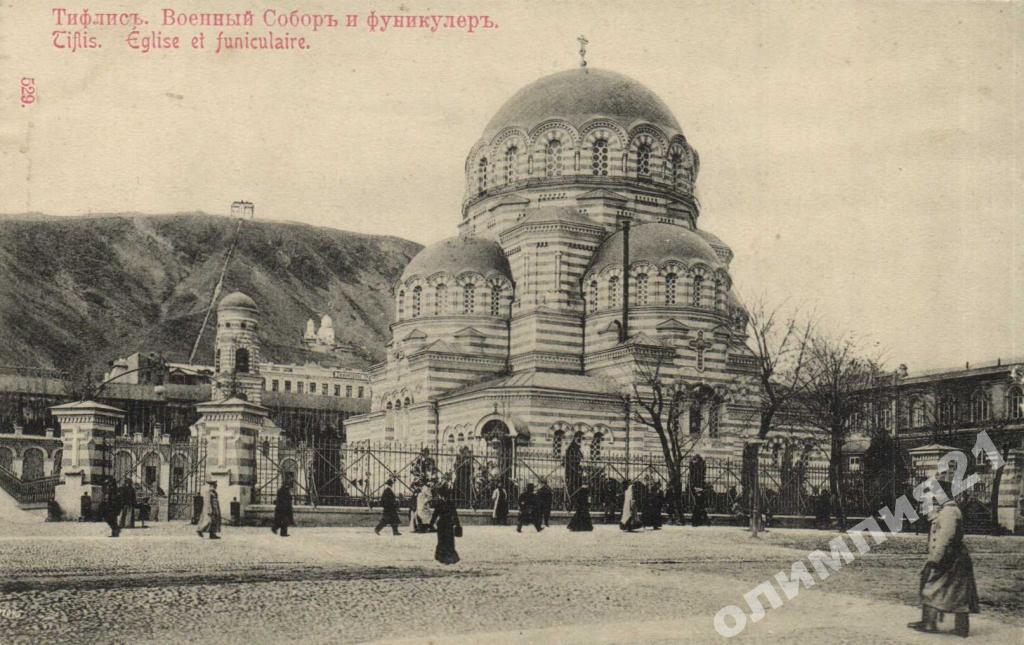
499, 438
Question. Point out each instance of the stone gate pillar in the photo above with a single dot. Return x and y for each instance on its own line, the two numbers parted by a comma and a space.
1011, 493
231, 429
85, 427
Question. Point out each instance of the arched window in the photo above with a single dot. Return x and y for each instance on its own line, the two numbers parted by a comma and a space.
440, 299
401, 304
613, 291
671, 280
511, 160
643, 160
495, 300
388, 406
696, 412
557, 439
595, 446
1015, 401
714, 413
593, 296
462, 438
599, 158
553, 159
451, 439
675, 170
216, 361
717, 296
947, 410
980, 409
468, 299
698, 286
916, 412
481, 175
242, 360
641, 289
417, 302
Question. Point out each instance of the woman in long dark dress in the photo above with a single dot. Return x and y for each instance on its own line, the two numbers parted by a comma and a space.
446, 520
581, 519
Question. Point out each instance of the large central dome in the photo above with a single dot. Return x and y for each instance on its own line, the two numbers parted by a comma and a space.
579, 95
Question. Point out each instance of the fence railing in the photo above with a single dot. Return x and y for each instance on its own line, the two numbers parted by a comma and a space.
327, 473
28, 492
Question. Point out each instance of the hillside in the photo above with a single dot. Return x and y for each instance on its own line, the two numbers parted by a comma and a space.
76, 292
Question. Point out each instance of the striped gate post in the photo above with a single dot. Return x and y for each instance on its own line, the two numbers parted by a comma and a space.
85, 426
230, 429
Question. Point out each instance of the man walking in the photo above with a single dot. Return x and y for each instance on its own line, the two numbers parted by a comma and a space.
389, 505
529, 510
211, 512
544, 500
112, 506
128, 502
284, 515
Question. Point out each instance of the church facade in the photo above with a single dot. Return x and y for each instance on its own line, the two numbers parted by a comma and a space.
579, 270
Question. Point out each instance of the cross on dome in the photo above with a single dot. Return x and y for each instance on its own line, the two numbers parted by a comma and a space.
582, 40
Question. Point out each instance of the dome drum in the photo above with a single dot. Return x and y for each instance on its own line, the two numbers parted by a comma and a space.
577, 124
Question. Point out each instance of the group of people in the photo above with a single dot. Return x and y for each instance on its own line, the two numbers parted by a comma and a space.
642, 506
120, 504
432, 510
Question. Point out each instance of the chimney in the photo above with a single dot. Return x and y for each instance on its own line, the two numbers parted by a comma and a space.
624, 329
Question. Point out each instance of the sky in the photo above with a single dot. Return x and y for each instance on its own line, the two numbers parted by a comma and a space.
862, 159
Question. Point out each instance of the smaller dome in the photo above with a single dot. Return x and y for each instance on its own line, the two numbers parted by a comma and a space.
238, 300
457, 255
656, 243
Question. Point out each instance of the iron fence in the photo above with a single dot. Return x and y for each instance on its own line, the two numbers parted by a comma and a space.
324, 472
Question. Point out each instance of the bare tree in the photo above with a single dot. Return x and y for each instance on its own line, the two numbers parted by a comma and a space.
839, 382
659, 401
781, 348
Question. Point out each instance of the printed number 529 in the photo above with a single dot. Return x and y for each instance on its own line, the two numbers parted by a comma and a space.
28, 91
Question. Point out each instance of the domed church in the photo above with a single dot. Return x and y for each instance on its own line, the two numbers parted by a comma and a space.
578, 268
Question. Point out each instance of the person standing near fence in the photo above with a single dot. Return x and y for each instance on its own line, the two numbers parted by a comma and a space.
499, 512
421, 516
544, 501
128, 502
112, 506
611, 501
581, 504
284, 512
389, 509
699, 517
630, 520
211, 519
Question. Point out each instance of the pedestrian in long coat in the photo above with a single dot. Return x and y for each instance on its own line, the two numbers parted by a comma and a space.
112, 507
446, 519
652, 507
128, 502
284, 513
699, 517
421, 515
499, 512
947, 581
630, 520
581, 518
389, 509
210, 521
